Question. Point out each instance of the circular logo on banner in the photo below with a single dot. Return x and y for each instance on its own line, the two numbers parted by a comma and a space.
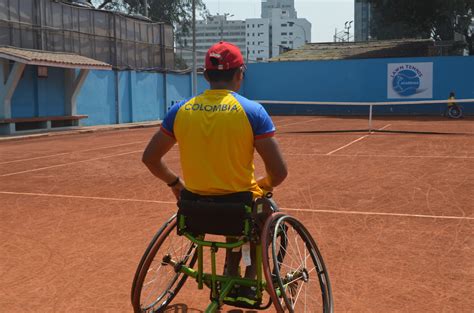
406, 80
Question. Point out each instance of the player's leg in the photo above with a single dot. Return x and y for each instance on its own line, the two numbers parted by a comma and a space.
232, 259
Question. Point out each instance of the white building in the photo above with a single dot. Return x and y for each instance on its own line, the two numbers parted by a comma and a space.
259, 39
277, 30
209, 32
286, 6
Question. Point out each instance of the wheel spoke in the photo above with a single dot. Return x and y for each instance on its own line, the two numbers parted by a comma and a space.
157, 282
300, 277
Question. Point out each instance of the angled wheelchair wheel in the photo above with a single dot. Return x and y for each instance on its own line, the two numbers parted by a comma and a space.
297, 279
454, 111
156, 281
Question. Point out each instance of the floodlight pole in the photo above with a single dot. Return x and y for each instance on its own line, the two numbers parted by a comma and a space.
304, 30
194, 73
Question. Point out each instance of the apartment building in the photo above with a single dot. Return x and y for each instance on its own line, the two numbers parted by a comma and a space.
213, 29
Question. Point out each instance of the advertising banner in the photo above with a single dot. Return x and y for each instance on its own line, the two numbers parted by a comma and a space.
410, 80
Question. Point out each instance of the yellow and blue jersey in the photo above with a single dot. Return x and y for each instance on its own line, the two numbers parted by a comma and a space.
452, 102
215, 132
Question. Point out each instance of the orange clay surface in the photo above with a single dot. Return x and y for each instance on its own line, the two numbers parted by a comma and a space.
393, 214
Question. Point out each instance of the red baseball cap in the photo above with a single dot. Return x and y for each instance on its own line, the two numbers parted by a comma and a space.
225, 55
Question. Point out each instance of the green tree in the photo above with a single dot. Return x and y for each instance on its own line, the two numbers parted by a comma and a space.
437, 19
175, 12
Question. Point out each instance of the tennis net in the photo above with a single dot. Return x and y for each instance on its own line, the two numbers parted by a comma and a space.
430, 117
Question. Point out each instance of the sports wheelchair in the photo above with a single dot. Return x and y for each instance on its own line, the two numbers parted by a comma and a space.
291, 274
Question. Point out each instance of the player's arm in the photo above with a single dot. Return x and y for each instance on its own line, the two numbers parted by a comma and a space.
275, 165
158, 146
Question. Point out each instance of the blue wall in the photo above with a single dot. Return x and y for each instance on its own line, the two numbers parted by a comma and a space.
97, 99
145, 96
178, 88
353, 81
51, 96
39, 96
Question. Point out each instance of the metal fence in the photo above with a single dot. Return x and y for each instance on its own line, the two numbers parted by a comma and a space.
120, 40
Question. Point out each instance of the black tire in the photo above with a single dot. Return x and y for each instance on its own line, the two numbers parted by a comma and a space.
166, 282
144, 256
455, 111
293, 264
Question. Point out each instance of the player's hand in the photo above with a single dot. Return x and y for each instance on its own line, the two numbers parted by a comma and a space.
264, 184
176, 189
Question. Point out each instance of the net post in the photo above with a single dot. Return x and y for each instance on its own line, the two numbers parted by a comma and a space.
370, 117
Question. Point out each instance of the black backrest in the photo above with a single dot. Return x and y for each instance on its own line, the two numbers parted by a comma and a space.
227, 219
219, 215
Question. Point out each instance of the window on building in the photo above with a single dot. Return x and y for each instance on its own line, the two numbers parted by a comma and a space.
284, 25
253, 25
284, 42
248, 25
284, 34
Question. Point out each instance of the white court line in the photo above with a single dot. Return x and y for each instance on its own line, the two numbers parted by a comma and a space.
381, 156
406, 156
357, 140
388, 125
345, 146
82, 197
37, 158
66, 164
285, 209
79, 151
381, 214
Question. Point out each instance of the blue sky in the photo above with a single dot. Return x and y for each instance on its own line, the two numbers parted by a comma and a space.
324, 15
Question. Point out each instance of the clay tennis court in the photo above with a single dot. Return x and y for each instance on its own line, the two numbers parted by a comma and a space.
393, 215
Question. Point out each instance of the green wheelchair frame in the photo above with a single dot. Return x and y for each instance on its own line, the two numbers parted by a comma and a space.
221, 285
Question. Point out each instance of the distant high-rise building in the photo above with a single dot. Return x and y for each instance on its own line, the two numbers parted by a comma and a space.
259, 39
363, 12
286, 6
208, 32
278, 29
